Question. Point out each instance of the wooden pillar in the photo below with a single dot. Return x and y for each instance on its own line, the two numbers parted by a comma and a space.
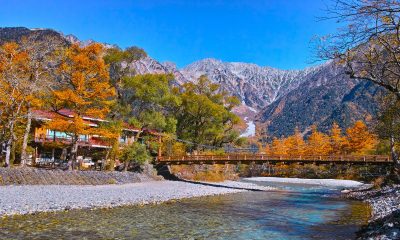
159, 146
34, 156
52, 153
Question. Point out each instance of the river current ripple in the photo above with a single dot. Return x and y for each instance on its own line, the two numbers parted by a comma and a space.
295, 212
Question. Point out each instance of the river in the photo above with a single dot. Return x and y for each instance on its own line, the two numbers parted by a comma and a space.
295, 211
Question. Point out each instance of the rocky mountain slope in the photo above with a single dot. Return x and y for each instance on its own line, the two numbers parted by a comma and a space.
282, 99
256, 86
16, 34
150, 65
326, 96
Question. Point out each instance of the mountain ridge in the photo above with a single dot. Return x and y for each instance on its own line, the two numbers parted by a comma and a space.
257, 86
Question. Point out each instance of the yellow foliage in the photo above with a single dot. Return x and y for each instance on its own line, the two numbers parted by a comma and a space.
318, 143
278, 147
360, 140
214, 173
85, 89
179, 148
295, 144
14, 87
338, 141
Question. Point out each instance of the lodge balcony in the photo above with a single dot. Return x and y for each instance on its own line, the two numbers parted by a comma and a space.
94, 142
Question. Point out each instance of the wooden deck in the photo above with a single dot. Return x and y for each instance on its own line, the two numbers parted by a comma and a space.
272, 159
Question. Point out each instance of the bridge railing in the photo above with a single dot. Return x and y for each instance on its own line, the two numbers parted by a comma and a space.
282, 158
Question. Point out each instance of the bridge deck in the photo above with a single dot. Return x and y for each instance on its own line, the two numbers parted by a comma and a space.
265, 158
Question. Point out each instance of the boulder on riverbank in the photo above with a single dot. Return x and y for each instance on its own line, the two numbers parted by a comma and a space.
385, 220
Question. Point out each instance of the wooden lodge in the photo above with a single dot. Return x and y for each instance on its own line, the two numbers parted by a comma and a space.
51, 146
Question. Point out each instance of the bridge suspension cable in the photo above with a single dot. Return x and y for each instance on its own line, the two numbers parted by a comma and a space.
227, 149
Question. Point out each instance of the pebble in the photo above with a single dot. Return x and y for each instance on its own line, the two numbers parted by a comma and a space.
385, 204
46, 198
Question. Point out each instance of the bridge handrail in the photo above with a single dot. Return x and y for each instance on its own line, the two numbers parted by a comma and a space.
275, 157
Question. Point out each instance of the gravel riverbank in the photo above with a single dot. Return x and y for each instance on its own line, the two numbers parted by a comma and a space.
321, 182
45, 198
385, 219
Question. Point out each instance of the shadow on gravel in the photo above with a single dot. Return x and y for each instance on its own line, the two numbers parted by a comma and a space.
163, 170
221, 186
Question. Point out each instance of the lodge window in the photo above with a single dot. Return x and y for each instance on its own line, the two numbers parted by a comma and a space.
122, 139
83, 138
57, 134
63, 135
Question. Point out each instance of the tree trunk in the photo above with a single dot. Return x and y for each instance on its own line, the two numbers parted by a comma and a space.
13, 148
126, 166
112, 163
53, 160
8, 152
104, 161
24, 156
395, 158
35, 153
74, 152
63, 156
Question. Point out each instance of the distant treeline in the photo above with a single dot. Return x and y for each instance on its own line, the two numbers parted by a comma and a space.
355, 140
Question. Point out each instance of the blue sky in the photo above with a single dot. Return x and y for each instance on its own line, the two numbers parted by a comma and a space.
274, 33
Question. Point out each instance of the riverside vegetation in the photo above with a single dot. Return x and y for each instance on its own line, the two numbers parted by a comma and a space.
52, 74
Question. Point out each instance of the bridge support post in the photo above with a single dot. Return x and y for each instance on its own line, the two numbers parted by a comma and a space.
238, 165
269, 169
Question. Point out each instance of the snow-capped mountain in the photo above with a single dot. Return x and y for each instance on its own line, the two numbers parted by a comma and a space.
256, 86
150, 65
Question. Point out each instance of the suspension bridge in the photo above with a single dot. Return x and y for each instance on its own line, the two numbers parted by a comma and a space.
252, 158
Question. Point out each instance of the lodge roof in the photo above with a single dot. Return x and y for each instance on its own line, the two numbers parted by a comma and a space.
45, 115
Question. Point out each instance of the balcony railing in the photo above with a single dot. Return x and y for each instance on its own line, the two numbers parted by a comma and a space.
68, 140
57, 139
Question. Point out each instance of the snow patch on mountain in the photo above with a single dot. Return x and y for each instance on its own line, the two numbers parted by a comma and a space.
250, 130
256, 86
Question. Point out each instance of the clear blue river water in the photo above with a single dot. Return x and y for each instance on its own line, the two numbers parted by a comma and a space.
294, 212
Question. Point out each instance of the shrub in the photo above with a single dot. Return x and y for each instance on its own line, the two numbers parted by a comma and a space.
136, 152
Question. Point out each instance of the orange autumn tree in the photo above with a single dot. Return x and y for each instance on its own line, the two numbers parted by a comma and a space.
267, 149
318, 143
14, 86
338, 141
84, 88
278, 147
295, 144
360, 140
42, 63
110, 132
